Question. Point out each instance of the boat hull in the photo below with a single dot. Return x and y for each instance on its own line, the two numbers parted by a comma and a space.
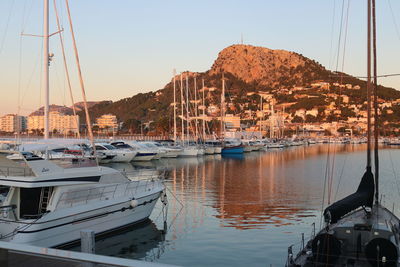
232, 150
144, 156
58, 232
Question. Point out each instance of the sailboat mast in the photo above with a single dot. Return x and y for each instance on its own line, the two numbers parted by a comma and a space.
261, 117
376, 131
187, 109
204, 113
174, 73
223, 107
183, 121
46, 67
195, 106
369, 87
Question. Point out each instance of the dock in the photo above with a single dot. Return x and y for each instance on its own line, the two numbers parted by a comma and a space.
20, 255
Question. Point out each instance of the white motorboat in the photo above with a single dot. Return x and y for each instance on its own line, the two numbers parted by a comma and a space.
142, 153
45, 205
189, 151
275, 145
121, 154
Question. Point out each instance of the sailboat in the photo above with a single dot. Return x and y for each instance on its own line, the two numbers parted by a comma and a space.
229, 146
358, 230
46, 205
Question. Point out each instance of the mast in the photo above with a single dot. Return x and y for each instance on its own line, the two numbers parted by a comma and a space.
66, 69
187, 109
262, 114
204, 113
223, 107
376, 131
46, 67
82, 84
183, 122
174, 73
369, 88
195, 106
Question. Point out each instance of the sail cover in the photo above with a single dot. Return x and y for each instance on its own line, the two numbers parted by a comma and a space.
364, 196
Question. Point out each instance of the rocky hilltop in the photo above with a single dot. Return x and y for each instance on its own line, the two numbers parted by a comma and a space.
267, 67
302, 87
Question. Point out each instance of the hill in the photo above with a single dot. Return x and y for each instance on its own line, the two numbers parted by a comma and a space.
288, 76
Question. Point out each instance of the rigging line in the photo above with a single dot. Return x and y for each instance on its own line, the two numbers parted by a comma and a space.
394, 20
345, 37
340, 37
364, 77
66, 69
340, 178
28, 85
26, 16
332, 34
394, 172
3, 39
324, 188
330, 179
59, 82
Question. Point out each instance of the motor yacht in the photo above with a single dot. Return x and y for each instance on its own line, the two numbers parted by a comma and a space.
45, 205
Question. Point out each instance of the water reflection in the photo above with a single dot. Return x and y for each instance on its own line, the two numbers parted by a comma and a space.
141, 241
245, 211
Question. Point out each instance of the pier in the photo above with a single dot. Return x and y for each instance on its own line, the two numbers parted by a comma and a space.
19, 255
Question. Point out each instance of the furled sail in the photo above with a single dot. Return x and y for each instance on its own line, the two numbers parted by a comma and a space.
363, 197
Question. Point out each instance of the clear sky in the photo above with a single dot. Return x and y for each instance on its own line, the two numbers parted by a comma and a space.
129, 46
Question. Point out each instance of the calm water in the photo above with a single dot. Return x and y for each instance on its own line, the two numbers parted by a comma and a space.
238, 211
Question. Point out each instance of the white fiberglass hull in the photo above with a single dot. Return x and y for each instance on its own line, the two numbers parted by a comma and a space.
217, 150
209, 150
172, 153
189, 152
247, 148
50, 231
200, 152
125, 156
144, 157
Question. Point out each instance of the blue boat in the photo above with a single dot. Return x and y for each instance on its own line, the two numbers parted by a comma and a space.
232, 150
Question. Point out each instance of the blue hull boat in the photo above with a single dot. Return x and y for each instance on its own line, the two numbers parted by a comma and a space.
233, 150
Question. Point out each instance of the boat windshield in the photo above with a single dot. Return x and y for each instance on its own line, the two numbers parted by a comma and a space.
121, 145
110, 147
13, 164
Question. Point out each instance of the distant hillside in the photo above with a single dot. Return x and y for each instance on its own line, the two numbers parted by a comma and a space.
247, 69
267, 67
63, 109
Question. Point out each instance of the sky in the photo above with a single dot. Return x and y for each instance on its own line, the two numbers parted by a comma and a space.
129, 46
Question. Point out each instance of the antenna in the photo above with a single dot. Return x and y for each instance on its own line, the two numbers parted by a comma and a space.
241, 38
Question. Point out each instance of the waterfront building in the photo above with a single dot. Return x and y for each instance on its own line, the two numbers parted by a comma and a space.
12, 123
58, 123
107, 121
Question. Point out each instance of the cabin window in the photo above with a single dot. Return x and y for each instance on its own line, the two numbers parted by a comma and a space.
3, 193
29, 202
100, 148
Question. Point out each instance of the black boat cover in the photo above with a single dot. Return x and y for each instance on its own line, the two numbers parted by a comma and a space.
363, 197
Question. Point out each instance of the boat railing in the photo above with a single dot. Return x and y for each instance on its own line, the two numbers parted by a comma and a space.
108, 192
6, 171
145, 175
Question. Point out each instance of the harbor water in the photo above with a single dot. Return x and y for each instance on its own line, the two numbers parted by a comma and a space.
245, 210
